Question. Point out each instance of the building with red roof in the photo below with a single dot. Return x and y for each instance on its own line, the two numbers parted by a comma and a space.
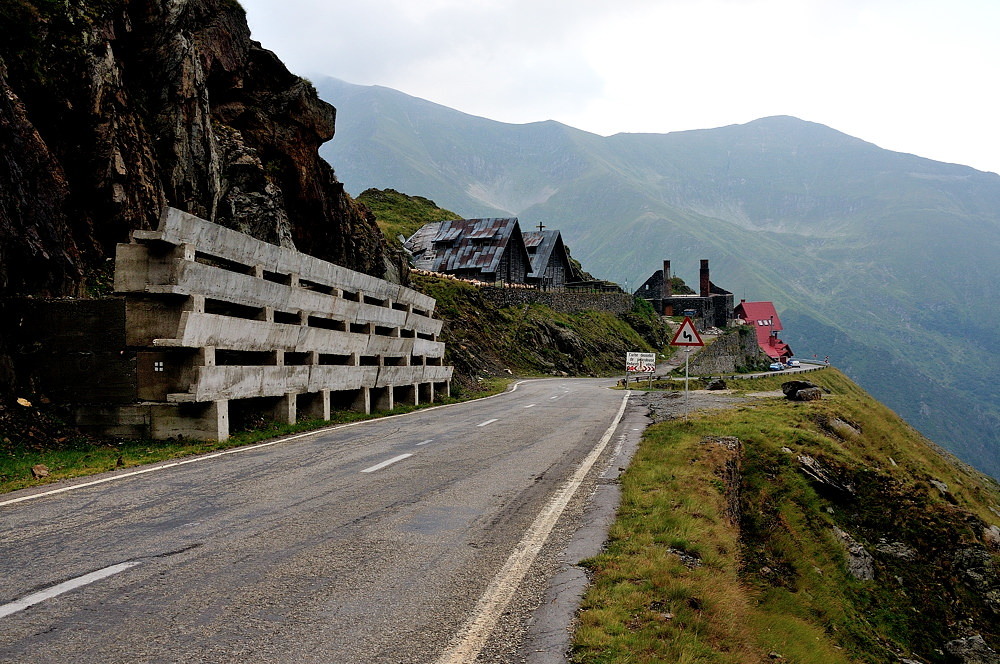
766, 323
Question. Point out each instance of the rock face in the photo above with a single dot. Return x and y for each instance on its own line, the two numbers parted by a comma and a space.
731, 353
109, 111
972, 650
112, 110
859, 561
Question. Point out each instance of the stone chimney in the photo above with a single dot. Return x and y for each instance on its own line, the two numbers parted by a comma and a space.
706, 289
666, 291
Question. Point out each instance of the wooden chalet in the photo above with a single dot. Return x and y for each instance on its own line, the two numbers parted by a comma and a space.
550, 264
490, 250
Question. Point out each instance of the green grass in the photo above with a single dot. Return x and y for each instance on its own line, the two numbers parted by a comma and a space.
534, 340
773, 576
78, 456
399, 214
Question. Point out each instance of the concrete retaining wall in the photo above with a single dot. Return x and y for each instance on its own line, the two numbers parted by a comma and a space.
214, 315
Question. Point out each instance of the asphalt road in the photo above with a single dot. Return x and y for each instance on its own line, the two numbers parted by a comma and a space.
369, 543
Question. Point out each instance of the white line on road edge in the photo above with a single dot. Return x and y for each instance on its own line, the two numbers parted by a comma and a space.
64, 587
389, 462
240, 450
491, 605
482, 424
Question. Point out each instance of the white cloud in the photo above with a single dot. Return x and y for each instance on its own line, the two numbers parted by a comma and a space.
913, 76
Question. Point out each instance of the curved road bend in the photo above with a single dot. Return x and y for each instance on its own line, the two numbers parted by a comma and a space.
367, 543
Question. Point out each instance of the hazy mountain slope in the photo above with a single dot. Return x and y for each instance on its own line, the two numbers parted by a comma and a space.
882, 260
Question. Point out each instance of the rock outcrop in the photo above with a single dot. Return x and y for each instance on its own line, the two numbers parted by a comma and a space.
110, 111
734, 352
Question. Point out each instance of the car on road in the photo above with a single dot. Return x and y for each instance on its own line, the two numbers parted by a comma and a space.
776, 366
793, 363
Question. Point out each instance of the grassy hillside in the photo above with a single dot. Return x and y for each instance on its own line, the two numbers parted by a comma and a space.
726, 546
887, 255
399, 214
484, 340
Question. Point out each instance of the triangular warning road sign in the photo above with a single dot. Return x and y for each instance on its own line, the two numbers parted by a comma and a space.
687, 335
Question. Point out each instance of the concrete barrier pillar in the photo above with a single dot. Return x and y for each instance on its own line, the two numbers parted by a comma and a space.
315, 405
285, 410
363, 401
383, 399
200, 421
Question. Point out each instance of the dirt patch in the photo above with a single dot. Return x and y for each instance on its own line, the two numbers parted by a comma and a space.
663, 406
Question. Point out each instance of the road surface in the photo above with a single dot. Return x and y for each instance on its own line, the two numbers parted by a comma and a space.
377, 542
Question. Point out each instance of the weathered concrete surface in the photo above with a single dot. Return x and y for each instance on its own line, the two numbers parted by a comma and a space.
217, 315
179, 228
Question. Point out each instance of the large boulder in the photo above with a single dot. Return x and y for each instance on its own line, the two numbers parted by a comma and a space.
971, 650
801, 390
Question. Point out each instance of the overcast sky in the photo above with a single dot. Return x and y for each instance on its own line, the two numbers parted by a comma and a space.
909, 75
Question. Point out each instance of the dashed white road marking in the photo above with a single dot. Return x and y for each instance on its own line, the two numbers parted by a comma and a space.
471, 639
425, 442
239, 450
558, 396
530, 405
482, 424
64, 587
387, 462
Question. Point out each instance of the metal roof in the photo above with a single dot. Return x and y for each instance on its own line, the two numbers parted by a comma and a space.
472, 244
546, 242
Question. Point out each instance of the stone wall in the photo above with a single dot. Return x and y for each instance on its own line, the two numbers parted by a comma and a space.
563, 302
734, 351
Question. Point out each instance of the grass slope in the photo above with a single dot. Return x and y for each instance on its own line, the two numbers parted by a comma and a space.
722, 555
399, 214
484, 340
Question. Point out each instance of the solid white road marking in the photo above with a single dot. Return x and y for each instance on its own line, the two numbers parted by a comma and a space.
471, 639
425, 442
387, 462
64, 587
482, 424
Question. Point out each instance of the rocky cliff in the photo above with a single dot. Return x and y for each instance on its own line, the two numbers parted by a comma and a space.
112, 109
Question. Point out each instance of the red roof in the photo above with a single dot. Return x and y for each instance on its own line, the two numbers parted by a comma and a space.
766, 323
761, 314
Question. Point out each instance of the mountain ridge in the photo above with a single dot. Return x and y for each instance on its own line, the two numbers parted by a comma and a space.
888, 252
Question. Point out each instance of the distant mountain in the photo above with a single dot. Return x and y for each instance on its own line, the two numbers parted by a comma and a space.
884, 261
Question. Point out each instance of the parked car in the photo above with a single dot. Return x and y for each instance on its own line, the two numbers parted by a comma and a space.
776, 366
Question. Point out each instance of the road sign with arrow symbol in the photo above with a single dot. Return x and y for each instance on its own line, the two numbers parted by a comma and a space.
687, 335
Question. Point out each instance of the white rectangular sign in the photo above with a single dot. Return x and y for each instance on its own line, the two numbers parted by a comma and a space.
640, 362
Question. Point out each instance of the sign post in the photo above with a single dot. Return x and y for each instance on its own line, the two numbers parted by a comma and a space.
688, 337
640, 363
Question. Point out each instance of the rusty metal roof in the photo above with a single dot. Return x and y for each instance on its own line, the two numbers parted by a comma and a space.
472, 244
545, 242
